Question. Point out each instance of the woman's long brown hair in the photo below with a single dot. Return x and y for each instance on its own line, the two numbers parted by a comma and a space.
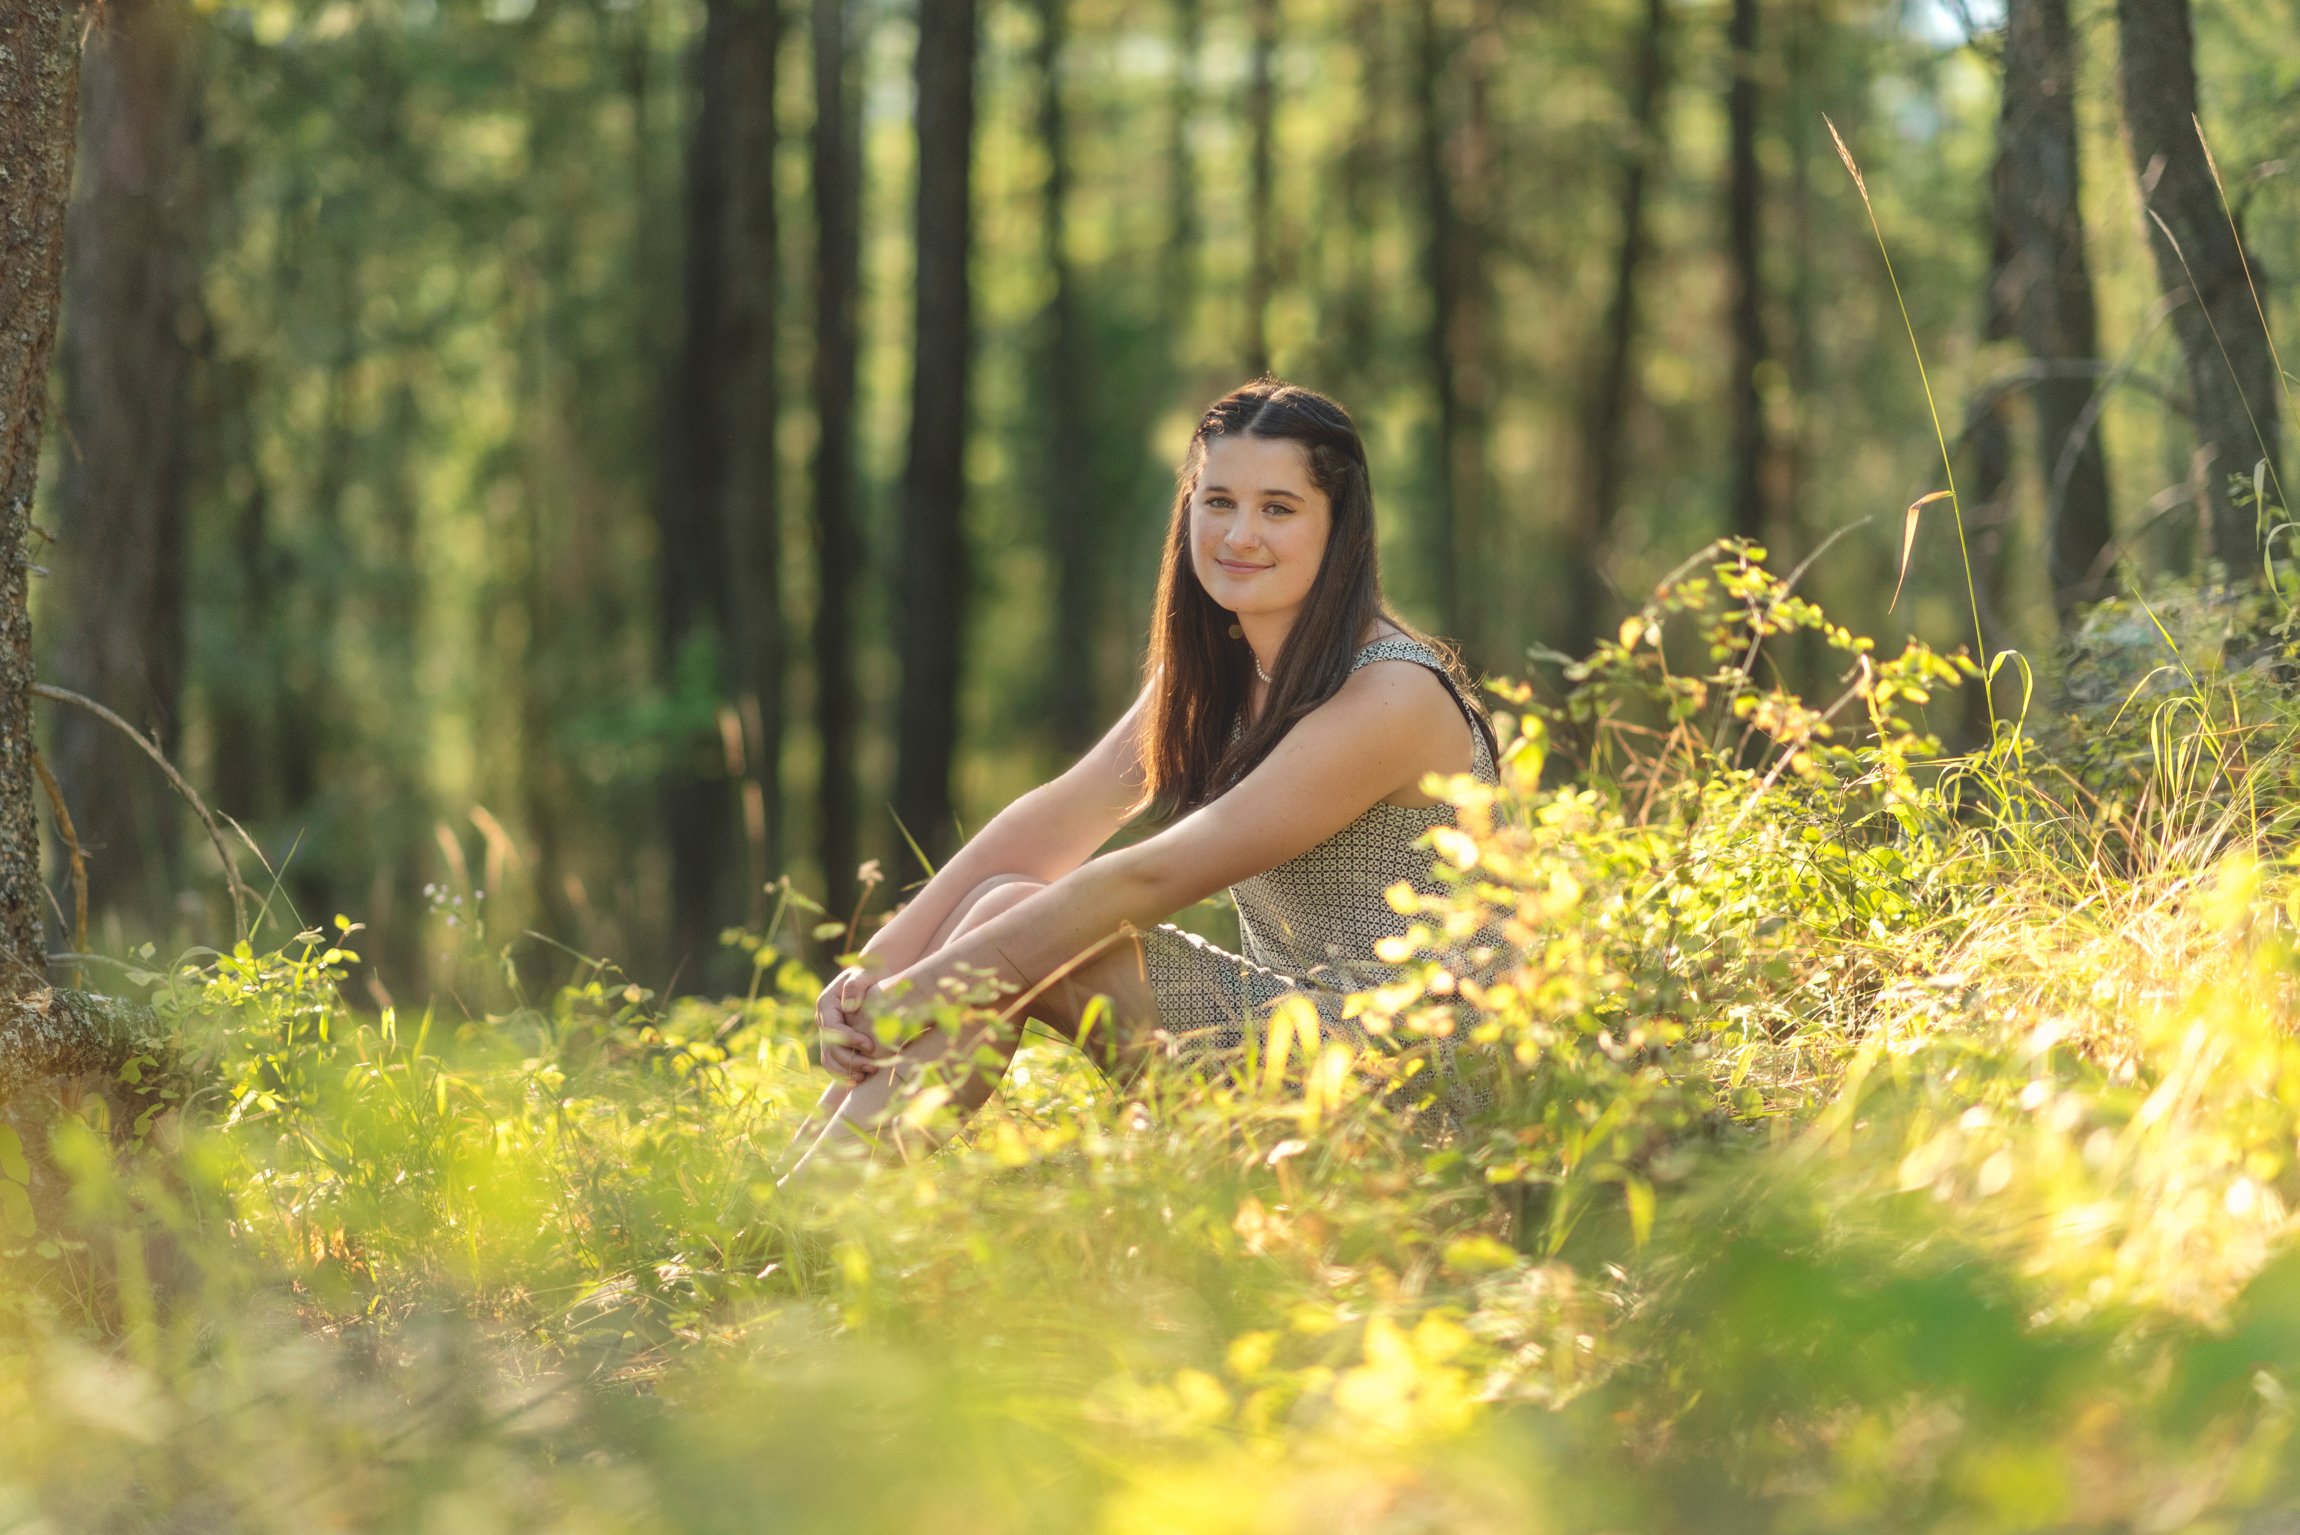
1198, 667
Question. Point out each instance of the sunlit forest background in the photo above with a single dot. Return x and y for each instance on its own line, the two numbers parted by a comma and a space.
601, 491
544, 454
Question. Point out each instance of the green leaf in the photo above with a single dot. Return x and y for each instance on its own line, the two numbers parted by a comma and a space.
13, 1166
1479, 1254
1640, 1196
16, 1211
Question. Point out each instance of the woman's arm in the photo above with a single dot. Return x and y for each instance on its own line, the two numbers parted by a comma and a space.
1041, 836
1367, 742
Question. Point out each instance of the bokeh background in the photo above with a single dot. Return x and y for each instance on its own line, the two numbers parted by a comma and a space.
565, 465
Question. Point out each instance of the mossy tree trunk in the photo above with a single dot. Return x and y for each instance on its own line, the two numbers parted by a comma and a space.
39, 106
45, 1035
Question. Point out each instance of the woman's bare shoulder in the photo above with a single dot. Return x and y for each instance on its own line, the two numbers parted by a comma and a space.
1408, 698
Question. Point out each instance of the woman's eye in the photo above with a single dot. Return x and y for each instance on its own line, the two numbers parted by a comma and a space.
1276, 509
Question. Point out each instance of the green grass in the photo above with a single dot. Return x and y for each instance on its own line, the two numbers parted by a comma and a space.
1881, 1140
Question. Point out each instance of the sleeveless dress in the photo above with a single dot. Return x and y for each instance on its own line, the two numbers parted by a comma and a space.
1308, 926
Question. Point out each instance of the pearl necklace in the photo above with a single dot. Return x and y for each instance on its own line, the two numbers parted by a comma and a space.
1265, 676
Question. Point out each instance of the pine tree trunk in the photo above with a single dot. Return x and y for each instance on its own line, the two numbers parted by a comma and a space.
120, 488
2046, 287
749, 409
1261, 184
932, 587
1988, 442
2201, 262
721, 620
1178, 261
1347, 321
1457, 170
44, 1034
837, 176
1750, 512
39, 100
1612, 392
1065, 380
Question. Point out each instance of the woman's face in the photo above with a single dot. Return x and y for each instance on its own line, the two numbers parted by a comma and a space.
1258, 525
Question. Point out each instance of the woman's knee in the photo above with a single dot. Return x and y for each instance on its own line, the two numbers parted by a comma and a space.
995, 896
998, 899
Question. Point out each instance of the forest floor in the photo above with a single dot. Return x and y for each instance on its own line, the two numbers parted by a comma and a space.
1883, 1139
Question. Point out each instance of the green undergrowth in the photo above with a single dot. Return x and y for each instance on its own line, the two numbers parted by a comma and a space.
1859, 1137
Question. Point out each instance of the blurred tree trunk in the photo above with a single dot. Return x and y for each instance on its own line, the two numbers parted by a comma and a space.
121, 488
1988, 443
1749, 357
2046, 287
239, 706
1261, 179
1347, 325
1178, 261
1065, 381
720, 621
1457, 171
1612, 393
837, 175
931, 591
2200, 259
749, 409
39, 85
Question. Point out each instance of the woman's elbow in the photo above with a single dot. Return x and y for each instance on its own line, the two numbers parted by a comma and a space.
1149, 887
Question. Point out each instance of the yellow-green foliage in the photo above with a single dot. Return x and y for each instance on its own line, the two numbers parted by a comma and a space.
1878, 1140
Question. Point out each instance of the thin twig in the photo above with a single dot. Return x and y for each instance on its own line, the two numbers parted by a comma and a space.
199, 807
79, 862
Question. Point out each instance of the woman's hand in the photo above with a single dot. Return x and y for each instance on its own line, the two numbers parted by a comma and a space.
849, 1042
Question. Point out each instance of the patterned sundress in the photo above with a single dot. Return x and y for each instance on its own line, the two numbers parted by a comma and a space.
1308, 926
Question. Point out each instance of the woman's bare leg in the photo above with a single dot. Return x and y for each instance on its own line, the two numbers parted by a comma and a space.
982, 903
1003, 891
870, 1113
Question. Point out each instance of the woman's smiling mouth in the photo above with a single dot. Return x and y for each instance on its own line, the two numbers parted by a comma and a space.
1239, 567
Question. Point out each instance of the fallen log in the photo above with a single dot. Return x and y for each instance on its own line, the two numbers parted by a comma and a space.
54, 1034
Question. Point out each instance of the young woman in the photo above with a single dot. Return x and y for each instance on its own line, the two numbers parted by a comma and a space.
1282, 735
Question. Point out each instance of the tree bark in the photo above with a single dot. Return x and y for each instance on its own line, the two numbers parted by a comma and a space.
1261, 185
1347, 320
120, 489
1750, 511
1456, 171
1989, 449
2201, 260
39, 100
44, 1034
1611, 397
721, 620
2045, 285
749, 410
932, 587
1065, 381
1178, 261
837, 173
